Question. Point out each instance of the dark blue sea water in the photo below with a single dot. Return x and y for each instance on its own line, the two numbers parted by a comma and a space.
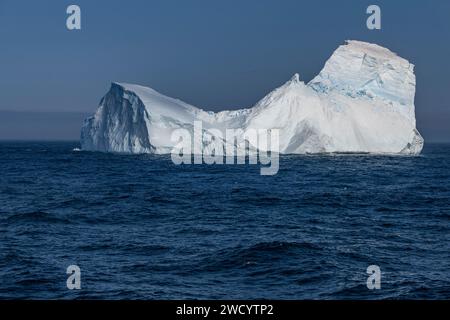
140, 227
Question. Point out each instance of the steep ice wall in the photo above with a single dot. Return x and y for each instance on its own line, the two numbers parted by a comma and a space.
119, 125
361, 101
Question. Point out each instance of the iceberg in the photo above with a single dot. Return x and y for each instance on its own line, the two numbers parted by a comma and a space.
361, 102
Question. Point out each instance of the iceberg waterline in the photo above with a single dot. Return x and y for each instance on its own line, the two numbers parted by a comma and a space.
361, 102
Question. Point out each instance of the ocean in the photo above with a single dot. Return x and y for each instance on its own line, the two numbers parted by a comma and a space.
140, 227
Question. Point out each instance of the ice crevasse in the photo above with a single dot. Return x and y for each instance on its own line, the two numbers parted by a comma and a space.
361, 102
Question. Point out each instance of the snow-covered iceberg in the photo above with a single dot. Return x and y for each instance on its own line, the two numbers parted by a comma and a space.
361, 102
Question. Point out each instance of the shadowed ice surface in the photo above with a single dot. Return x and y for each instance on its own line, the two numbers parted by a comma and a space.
140, 227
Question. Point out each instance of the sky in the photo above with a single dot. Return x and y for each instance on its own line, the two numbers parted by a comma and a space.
214, 54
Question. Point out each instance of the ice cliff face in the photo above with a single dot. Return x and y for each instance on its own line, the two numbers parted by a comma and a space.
361, 102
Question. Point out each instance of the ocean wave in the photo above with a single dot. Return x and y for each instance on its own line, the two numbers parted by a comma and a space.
37, 217
257, 254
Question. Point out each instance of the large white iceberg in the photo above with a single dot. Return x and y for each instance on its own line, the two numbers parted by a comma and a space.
361, 102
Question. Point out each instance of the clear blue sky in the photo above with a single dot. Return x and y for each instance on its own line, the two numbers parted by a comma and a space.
213, 54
